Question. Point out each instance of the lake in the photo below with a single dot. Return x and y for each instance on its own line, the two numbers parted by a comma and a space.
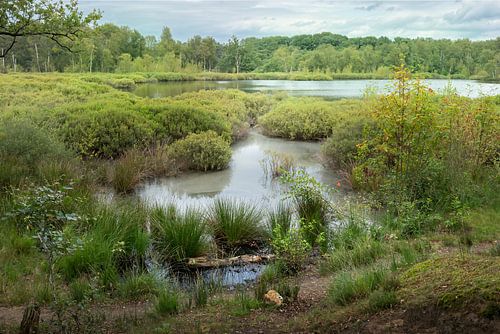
244, 179
327, 89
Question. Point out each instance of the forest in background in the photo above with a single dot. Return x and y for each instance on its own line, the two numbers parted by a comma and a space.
110, 48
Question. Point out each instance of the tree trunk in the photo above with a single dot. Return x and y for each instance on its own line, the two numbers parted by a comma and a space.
37, 59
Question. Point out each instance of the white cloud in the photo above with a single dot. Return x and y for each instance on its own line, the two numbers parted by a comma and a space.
221, 19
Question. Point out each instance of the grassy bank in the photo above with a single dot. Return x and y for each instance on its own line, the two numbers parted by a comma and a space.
422, 237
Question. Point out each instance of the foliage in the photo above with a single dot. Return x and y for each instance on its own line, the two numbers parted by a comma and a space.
306, 118
178, 121
24, 150
236, 224
291, 248
311, 206
177, 236
419, 155
57, 21
105, 133
204, 151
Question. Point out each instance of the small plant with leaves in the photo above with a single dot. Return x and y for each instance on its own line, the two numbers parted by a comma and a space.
312, 207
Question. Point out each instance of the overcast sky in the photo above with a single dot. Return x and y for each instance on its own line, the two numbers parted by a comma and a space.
221, 19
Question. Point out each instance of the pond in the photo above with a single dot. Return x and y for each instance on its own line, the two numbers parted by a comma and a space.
327, 89
244, 179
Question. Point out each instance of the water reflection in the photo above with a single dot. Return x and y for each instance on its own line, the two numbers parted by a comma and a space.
328, 89
244, 179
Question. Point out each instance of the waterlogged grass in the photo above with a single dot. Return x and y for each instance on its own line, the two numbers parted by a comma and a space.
236, 224
178, 235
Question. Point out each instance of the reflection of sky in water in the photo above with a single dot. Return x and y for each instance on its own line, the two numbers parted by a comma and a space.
327, 89
244, 179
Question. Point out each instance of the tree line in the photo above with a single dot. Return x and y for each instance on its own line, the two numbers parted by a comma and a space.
110, 48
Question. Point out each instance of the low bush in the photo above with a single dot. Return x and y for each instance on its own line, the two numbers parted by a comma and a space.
105, 133
307, 118
312, 208
381, 300
177, 236
177, 121
24, 148
203, 152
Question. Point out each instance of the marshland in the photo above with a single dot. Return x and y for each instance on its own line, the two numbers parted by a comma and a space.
150, 188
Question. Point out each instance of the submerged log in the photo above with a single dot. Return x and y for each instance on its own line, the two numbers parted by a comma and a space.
206, 262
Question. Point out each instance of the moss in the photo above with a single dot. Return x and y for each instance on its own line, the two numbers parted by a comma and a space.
451, 282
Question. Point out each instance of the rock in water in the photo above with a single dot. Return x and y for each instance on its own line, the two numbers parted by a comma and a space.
274, 297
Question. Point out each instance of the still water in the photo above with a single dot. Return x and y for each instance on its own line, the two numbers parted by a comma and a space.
244, 179
327, 89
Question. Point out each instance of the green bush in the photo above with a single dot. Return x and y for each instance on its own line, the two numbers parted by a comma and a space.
178, 236
340, 149
178, 120
202, 151
307, 118
106, 133
23, 148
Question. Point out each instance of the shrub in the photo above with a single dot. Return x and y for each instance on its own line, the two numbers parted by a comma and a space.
203, 151
306, 118
178, 120
340, 149
291, 249
178, 236
312, 208
236, 224
105, 133
23, 147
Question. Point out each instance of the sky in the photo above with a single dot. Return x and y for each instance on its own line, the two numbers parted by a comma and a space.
476, 20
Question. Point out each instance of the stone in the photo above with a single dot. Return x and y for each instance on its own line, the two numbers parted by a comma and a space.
274, 297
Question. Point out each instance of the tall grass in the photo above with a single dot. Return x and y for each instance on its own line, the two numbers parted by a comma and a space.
275, 164
114, 241
364, 252
177, 235
279, 219
236, 224
346, 287
167, 301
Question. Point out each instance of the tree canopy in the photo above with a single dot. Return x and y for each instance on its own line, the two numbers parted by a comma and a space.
56, 20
